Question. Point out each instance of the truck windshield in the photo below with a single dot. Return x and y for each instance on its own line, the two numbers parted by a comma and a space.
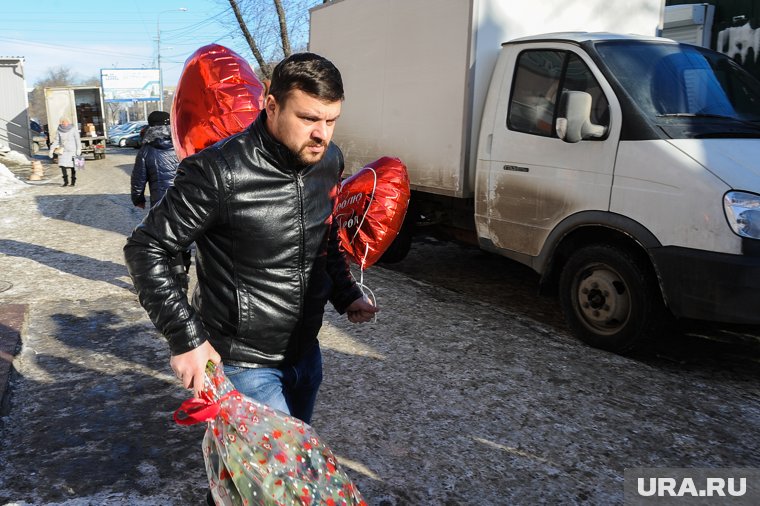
678, 85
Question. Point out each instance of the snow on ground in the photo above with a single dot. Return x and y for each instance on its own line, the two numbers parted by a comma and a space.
14, 157
9, 183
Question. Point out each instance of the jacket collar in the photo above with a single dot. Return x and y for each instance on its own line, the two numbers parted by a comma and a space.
159, 132
281, 156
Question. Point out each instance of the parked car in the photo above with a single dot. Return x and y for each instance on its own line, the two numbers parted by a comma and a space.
119, 138
34, 125
38, 136
133, 140
115, 129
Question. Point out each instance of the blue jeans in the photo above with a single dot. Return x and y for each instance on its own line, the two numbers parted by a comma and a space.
290, 388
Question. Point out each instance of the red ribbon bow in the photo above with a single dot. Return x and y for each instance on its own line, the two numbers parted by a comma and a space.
196, 410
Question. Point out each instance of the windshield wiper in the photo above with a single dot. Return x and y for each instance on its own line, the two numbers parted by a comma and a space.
695, 115
752, 124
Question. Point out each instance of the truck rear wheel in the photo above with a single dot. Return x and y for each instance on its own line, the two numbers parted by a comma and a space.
401, 245
609, 298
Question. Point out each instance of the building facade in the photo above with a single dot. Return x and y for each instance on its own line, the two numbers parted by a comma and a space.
14, 118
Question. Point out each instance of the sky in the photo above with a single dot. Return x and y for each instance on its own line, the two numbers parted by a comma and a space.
88, 36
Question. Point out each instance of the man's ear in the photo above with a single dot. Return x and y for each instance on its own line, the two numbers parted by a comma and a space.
270, 105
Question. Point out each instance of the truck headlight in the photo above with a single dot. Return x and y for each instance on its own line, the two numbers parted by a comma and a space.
743, 213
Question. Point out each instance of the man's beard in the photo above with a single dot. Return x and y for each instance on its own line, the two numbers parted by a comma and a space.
305, 159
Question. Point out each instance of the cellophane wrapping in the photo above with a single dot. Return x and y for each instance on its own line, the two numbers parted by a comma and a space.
257, 455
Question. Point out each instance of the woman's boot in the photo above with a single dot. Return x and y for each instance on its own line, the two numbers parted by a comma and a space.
65, 177
73, 176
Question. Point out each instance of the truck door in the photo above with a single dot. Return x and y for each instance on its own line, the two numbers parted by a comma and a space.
535, 178
60, 103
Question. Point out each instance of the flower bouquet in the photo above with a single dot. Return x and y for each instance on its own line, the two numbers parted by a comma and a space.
257, 455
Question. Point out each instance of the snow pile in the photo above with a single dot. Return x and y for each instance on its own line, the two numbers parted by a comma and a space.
9, 183
14, 157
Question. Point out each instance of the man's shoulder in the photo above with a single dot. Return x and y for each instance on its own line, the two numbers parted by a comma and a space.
228, 147
334, 155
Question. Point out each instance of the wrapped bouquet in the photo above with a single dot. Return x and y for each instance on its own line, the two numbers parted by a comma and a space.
257, 455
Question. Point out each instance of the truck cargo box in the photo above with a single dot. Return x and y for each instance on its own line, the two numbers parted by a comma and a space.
416, 72
83, 106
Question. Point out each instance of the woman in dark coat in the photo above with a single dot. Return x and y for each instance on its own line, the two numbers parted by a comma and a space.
155, 166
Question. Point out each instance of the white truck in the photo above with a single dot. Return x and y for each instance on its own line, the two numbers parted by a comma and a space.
83, 107
624, 169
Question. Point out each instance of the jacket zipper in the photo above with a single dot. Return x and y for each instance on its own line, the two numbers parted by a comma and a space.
302, 244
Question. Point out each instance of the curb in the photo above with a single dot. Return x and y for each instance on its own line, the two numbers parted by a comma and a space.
12, 319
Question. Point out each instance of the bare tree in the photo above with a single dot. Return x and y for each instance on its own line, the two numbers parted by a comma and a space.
112, 112
263, 65
273, 29
91, 81
54, 76
283, 28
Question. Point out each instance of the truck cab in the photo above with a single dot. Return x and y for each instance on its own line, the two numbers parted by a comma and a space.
623, 169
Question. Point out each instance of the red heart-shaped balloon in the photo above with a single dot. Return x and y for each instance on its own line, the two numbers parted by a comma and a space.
217, 95
370, 209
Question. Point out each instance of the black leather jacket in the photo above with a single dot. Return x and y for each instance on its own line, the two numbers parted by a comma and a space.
155, 165
267, 256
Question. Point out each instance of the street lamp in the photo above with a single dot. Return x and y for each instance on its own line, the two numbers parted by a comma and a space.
158, 54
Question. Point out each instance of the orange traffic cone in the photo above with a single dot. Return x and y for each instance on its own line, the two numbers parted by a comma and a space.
37, 171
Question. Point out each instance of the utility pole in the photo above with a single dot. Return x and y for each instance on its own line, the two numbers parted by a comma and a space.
158, 56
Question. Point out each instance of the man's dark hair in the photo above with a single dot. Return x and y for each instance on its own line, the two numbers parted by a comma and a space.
308, 72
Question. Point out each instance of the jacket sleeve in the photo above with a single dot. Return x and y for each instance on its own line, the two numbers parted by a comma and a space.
187, 210
139, 178
56, 142
78, 142
345, 289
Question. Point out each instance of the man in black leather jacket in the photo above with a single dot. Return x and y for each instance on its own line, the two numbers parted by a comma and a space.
259, 206
156, 166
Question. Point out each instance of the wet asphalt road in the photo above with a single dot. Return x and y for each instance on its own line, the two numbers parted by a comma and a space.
510, 286
467, 390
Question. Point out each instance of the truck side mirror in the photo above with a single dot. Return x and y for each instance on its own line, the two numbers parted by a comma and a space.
576, 124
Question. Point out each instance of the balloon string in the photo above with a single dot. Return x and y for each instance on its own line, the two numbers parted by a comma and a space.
371, 297
362, 286
366, 211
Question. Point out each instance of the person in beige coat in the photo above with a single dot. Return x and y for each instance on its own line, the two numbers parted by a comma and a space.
68, 140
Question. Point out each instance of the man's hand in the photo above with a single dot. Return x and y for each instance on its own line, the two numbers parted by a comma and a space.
190, 366
361, 311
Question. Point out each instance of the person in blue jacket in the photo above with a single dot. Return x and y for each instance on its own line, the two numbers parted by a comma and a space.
155, 167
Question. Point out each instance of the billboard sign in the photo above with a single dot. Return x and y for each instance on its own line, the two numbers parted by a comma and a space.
131, 85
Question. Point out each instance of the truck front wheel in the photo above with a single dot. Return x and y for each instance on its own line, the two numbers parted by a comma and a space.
609, 298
